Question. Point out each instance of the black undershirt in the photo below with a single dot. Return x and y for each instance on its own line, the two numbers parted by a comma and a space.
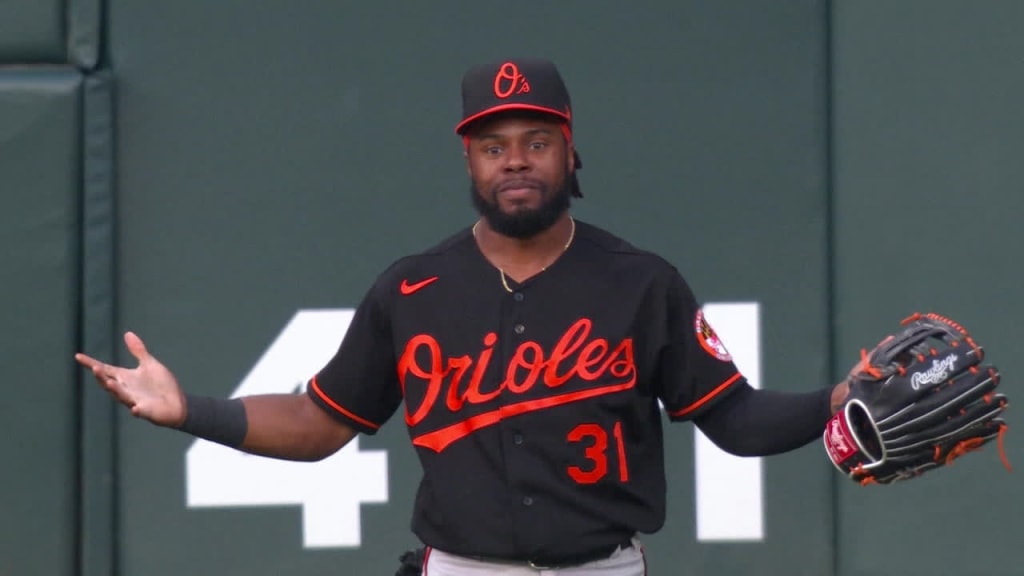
752, 422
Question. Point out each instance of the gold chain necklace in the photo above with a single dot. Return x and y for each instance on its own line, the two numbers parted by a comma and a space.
504, 280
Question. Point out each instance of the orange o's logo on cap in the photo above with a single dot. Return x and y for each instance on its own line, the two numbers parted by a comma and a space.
509, 81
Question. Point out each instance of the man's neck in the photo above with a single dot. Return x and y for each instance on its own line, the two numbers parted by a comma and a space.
521, 258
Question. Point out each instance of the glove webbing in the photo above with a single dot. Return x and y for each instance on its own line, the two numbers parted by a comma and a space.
962, 447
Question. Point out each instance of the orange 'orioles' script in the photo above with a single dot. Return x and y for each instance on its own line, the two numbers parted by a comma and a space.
574, 356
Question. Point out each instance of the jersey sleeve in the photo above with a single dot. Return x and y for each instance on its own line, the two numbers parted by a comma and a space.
359, 385
695, 369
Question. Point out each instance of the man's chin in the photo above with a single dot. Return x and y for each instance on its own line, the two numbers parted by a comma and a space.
520, 224
521, 218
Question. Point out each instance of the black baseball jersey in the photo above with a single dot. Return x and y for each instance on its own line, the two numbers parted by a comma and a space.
534, 412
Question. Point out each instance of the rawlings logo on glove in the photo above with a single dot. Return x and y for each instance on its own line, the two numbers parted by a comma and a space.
937, 373
918, 401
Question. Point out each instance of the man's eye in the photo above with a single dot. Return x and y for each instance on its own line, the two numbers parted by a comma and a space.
492, 150
538, 145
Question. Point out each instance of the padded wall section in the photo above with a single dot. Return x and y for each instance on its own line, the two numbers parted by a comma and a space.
85, 26
32, 31
97, 507
39, 185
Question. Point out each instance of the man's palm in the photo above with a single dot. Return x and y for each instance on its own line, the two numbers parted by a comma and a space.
150, 390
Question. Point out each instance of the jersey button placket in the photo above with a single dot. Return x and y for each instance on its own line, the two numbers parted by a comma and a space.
517, 315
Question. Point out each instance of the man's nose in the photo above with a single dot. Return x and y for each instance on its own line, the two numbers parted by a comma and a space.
516, 160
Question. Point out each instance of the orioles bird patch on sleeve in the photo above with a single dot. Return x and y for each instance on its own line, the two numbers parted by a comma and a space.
709, 340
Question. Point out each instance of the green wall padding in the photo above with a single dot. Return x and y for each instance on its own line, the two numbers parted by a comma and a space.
40, 154
32, 31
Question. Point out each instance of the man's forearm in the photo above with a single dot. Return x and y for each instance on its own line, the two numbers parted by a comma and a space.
285, 426
753, 422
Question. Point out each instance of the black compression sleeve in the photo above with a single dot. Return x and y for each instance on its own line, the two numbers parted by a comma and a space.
216, 419
753, 422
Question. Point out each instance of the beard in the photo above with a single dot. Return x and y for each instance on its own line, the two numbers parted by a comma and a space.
523, 223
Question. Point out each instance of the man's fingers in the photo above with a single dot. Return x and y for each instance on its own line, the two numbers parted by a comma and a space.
87, 361
105, 371
100, 369
111, 379
136, 346
117, 388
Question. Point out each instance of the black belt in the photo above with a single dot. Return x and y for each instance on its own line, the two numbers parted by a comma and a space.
555, 563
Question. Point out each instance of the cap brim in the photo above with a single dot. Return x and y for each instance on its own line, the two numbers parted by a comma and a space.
461, 127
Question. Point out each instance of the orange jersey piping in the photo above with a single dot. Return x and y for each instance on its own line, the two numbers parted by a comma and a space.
336, 406
707, 397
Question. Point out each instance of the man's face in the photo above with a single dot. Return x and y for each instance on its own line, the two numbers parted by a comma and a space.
519, 167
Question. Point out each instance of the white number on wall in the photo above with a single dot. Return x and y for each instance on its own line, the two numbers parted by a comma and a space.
730, 504
331, 491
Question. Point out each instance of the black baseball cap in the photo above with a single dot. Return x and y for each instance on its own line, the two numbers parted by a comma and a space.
528, 84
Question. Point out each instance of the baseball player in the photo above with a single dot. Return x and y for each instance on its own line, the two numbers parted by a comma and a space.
528, 353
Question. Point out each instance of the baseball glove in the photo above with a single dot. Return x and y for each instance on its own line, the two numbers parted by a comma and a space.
922, 398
